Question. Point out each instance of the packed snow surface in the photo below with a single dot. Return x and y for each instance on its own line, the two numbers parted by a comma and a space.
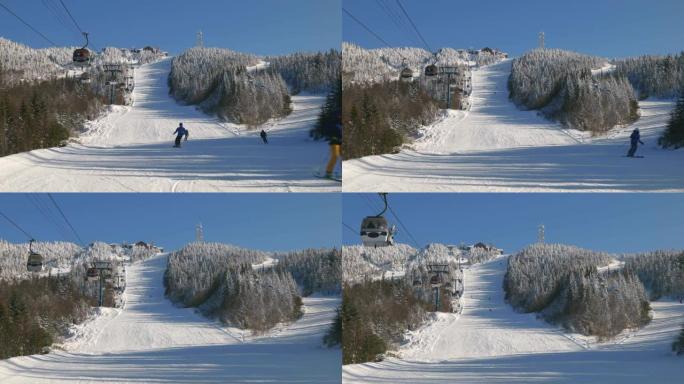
130, 150
152, 341
497, 147
491, 343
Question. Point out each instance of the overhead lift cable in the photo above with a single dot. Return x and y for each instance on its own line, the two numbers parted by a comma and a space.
394, 17
372, 32
16, 225
366, 28
71, 16
27, 24
415, 242
49, 214
350, 228
66, 220
59, 16
414, 26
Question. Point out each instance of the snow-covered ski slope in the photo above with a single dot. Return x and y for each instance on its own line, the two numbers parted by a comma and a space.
491, 343
151, 341
496, 147
130, 150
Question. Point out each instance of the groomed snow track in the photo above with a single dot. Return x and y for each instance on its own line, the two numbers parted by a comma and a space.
130, 150
152, 341
495, 147
491, 343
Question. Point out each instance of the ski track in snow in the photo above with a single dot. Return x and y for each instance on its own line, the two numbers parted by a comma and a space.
152, 341
130, 150
495, 147
503, 346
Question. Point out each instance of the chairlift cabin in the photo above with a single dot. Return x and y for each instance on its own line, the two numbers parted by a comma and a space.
375, 231
92, 274
35, 260
431, 70
406, 74
82, 55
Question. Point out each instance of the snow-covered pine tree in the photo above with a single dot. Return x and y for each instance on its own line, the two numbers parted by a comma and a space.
330, 115
564, 284
678, 345
561, 84
673, 137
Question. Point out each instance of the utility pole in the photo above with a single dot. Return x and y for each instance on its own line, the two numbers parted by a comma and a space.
540, 234
541, 40
104, 269
114, 70
436, 280
199, 233
448, 72
199, 40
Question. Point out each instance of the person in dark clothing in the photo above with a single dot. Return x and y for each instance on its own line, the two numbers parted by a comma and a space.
335, 147
635, 139
264, 136
180, 132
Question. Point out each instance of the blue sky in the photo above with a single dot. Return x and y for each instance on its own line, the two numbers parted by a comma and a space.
609, 28
607, 222
276, 221
255, 26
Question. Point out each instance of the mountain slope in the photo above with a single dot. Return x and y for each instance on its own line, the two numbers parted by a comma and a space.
496, 147
129, 150
491, 343
150, 340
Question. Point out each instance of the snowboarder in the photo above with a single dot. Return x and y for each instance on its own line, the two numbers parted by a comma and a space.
264, 136
635, 139
180, 132
335, 143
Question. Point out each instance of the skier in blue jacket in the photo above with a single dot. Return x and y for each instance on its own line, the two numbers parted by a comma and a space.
180, 132
635, 139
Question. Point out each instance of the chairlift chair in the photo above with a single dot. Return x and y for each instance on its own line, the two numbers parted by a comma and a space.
435, 281
431, 70
417, 282
85, 78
